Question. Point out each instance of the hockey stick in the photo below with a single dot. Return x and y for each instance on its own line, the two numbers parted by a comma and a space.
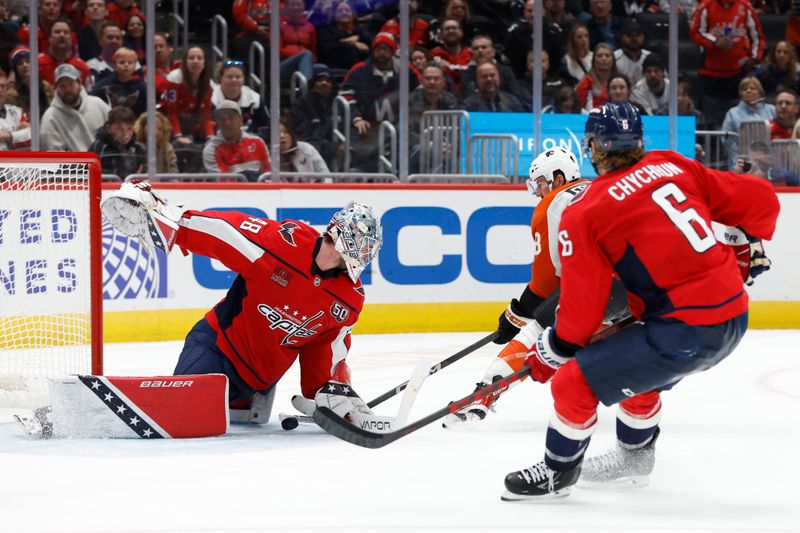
339, 427
288, 424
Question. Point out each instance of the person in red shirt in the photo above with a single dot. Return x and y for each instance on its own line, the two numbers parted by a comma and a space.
233, 150
297, 295
120, 11
253, 19
730, 33
49, 12
786, 105
418, 27
593, 88
60, 50
453, 55
298, 41
647, 219
186, 99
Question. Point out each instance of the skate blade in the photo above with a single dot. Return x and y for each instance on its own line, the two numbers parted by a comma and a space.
509, 496
627, 482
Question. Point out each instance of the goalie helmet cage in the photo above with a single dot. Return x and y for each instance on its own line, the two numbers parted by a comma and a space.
50, 272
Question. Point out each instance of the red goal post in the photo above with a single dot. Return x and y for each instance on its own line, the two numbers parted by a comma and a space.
51, 300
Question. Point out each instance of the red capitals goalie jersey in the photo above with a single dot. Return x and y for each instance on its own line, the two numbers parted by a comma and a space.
651, 224
277, 309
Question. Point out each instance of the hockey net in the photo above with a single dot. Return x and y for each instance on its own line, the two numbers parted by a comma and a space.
50, 272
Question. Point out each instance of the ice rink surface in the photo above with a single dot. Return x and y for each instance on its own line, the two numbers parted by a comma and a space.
726, 460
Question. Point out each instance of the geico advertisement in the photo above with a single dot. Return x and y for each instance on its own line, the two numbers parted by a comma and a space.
451, 245
440, 245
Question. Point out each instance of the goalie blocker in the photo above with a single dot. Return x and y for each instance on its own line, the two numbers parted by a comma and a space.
158, 407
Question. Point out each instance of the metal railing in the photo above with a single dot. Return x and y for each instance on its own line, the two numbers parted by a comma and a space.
298, 86
341, 132
257, 82
785, 162
329, 177
444, 146
191, 176
495, 154
219, 26
753, 136
180, 31
715, 145
457, 178
387, 164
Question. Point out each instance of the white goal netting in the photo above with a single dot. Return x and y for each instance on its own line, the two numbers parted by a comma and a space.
45, 277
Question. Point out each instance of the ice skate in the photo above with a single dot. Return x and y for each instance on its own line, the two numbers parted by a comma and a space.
539, 482
621, 467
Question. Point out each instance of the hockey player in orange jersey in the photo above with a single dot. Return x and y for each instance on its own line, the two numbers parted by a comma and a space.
554, 176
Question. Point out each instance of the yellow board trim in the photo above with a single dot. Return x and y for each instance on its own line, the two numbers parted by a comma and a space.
173, 324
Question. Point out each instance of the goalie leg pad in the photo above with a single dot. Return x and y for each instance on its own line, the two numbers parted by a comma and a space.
139, 407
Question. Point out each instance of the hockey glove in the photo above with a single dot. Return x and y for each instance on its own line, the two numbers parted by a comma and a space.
752, 260
543, 359
345, 402
510, 322
137, 211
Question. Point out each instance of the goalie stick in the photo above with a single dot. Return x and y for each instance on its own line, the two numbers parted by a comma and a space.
288, 424
339, 427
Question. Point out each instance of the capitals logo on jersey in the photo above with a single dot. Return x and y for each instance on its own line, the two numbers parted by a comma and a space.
289, 322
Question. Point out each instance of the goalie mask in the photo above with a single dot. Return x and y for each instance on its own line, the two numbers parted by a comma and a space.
357, 236
545, 166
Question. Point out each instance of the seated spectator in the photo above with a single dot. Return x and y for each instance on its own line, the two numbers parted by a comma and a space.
429, 96
187, 99
557, 24
49, 12
593, 88
15, 131
566, 101
483, 50
461, 12
89, 35
686, 106
343, 43
233, 150
299, 156
134, 37
550, 84
418, 27
751, 107
453, 55
166, 159
123, 88
578, 60
59, 51
120, 11
419, 57
321, 13
298, 41
780, 69
652, 91
489, 97
603, 26
313, 113
731, 36
374, 86
253, 19
20, 94
620, 90
110, 41
630, 57
116, 145
71, 121
163, 53
688, 7
786, 115
631, 8
255, 117
518, 40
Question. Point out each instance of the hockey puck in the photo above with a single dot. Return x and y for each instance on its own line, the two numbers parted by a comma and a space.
289, 423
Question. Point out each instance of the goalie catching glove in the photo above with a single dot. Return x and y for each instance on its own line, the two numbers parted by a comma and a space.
346, 403
137, 211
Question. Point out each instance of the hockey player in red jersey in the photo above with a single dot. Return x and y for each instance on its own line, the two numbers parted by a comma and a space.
647, 218
297, 295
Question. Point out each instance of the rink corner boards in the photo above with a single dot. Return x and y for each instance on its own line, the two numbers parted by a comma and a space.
173, 324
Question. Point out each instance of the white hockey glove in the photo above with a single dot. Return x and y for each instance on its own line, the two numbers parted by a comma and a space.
343, 400
544, 359
137, 211
304, 405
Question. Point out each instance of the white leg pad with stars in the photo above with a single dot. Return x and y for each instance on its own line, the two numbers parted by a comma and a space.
139, 407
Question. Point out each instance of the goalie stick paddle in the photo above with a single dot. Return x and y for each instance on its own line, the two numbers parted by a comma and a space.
339, 427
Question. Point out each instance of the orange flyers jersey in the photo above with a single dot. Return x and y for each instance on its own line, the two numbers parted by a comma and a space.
546, 267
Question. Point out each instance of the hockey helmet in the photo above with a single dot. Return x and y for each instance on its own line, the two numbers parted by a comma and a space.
614, 127
357, 236
548, 162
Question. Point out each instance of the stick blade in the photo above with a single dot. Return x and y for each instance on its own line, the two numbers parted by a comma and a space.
342, 429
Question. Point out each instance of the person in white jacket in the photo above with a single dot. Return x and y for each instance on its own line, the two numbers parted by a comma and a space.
300, 156
15, 132
72, 120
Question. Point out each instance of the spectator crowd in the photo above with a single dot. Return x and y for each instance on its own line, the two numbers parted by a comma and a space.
464, 55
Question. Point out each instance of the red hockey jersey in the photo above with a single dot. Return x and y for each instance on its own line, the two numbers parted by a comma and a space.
276, 310
651, 224
186, 115
736, 20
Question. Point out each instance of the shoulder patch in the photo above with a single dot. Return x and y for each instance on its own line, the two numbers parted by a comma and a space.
580, 194
287, 232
